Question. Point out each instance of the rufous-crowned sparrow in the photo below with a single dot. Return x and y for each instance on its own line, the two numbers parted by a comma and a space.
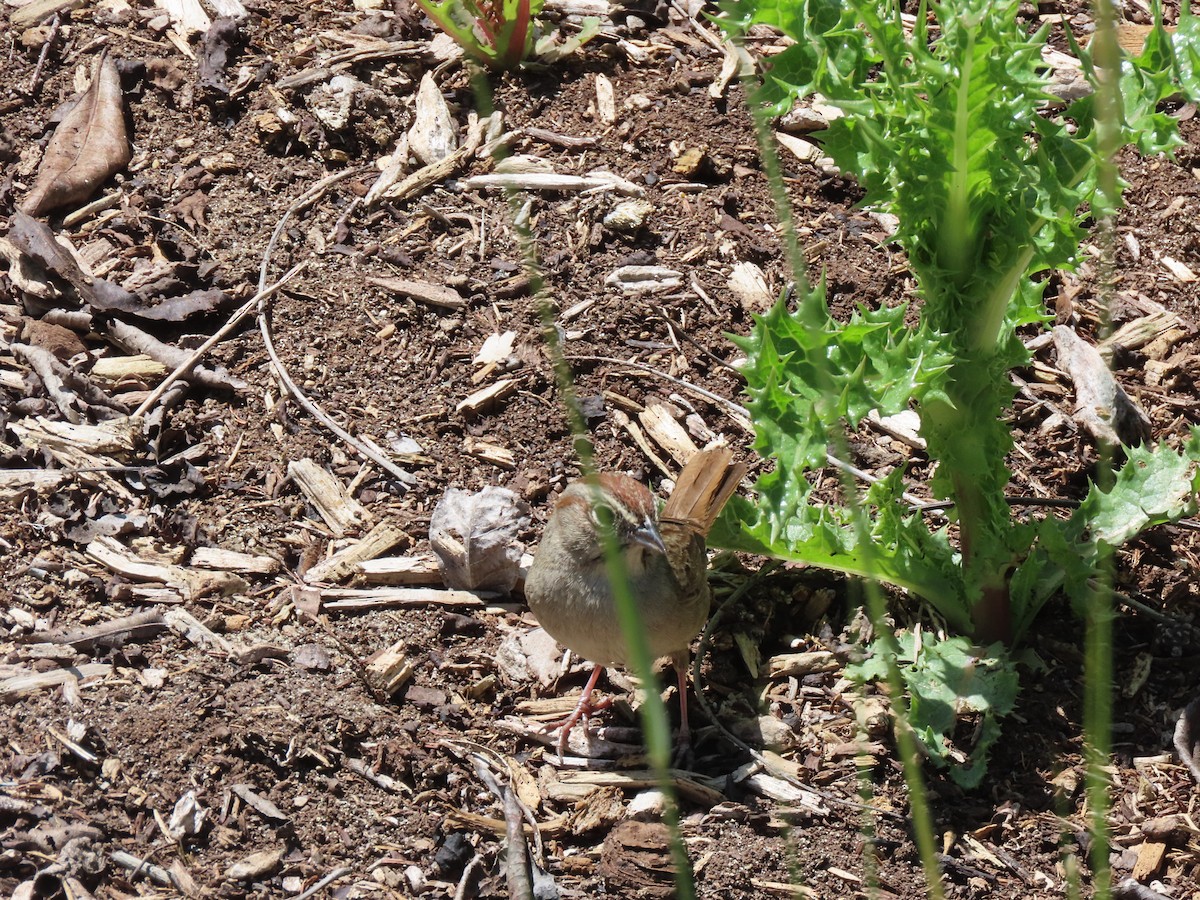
568, 587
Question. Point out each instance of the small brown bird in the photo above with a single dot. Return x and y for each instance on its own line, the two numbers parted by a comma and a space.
568, 587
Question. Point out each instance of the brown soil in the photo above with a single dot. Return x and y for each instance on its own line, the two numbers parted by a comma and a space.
286, 717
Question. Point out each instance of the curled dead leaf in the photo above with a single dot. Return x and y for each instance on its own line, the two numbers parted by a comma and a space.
89, 146
474, 536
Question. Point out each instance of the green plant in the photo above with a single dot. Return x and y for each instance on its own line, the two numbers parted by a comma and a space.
502, 34
948, 127
949, 681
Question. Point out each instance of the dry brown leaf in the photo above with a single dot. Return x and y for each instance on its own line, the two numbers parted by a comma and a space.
439, 295
215, 50
475, 537
434, 134
89, 146
36, 242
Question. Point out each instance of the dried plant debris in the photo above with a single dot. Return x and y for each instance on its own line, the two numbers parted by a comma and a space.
50, 258
475, 537
1187, 738
434, 134
89, 146
215, 50
1102, 407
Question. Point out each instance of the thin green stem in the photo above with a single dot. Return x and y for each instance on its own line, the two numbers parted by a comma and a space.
655, 724
1097, 713
910, 756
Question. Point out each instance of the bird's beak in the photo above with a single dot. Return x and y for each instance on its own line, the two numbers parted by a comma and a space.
647, 535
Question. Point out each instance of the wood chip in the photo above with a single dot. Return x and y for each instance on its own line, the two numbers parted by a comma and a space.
749, 284
492, 453
791, 891
341, 512
115, 437
438, 295
390, 669
16, 482
1138, 333
485, 397
668, 433
188, 16
121, 368
1150, 856
434, 133
349, 600
736, 61
39, 10
110, 553
497, 348
17, 686
410, 570
1178, 269
255, 866
803, 150
346, 562
784, 791
644, 279
233, 561
606, 104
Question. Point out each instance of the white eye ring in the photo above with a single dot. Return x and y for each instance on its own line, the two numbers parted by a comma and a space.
603, 515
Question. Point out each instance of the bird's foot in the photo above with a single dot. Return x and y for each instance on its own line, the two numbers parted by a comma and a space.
583, 710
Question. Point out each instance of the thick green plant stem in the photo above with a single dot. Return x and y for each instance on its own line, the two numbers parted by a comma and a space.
964, 434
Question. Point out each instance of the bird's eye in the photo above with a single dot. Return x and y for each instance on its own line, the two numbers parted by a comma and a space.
603, 515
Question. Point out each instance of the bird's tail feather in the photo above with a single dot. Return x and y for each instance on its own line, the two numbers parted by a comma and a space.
702, 489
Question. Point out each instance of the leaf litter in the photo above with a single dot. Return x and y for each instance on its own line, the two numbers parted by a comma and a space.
218, 706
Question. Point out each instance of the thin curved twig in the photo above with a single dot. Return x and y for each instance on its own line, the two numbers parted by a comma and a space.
362, 448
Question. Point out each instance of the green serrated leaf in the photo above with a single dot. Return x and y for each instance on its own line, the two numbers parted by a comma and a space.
949, 129
950, 682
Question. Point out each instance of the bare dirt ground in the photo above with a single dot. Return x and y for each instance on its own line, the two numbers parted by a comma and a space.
307, 777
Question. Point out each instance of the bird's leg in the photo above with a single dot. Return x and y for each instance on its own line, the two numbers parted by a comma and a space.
682, 756
583, 709
685, 734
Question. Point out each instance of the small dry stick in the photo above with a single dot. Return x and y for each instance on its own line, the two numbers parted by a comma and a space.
198, 354
520, 886
471, 874
35, 80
